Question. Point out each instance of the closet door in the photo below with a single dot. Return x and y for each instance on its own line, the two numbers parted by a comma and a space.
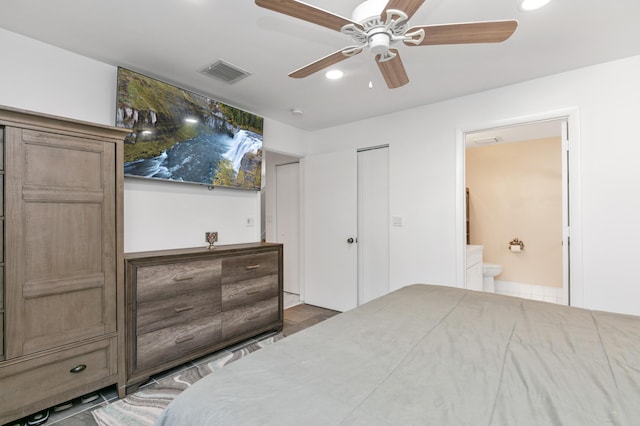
288, 222
61, 239
331, 254
373, 223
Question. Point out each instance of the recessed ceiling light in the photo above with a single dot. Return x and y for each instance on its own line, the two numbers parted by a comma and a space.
334, 74
533, 4
297, 111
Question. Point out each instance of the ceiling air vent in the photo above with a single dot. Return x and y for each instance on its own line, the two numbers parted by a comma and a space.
226, 72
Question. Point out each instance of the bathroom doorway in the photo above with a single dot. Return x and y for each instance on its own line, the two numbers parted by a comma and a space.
516, 180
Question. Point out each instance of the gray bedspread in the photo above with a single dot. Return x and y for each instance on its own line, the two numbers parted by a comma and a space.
431, 355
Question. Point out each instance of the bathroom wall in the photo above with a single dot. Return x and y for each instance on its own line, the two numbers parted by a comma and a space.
515, 192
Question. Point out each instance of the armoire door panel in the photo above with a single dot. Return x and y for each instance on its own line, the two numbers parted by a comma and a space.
62, 239
46, 325
52, 286
61, 161
48, 250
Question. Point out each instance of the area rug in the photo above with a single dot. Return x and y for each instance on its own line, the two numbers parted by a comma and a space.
143, 407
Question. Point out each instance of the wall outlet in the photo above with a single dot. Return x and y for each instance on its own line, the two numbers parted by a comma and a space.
211, 237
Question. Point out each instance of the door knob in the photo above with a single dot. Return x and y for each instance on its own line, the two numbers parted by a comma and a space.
350, 240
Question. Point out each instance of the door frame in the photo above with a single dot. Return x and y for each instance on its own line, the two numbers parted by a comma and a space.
573, 294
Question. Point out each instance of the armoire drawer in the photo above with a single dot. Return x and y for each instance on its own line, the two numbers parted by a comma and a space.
55, 374
170, 343
162, 313
247, 292
171, 279
249, 267
238, 321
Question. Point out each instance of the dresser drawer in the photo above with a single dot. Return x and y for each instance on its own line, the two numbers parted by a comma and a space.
238, 321
58, 376
248, 267
162, 313
171, 279
170, 343
246, 292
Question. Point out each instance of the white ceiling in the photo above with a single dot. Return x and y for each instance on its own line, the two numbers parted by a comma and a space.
174, 39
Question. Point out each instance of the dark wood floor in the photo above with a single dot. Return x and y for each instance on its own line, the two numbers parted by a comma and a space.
302, 316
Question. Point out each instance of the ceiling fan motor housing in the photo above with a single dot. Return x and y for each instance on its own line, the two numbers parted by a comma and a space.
379, 42
368, 10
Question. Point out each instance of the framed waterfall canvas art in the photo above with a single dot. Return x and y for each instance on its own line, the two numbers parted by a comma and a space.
180, 136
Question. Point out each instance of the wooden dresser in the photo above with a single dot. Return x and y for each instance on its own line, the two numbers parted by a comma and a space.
61, 260
185, 303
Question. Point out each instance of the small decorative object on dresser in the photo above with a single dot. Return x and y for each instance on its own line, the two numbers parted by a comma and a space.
182, 304
61, 260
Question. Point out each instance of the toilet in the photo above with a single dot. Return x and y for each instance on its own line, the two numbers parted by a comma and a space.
489, 272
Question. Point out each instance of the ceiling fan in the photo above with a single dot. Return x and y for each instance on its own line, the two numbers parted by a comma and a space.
380, 24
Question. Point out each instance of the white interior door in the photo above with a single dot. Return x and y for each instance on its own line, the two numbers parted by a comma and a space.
566, 222
331, 256
373, 223
288, 222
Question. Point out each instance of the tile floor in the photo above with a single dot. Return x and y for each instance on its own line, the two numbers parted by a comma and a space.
296, 318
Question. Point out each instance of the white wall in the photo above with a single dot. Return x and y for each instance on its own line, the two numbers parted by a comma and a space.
423, 165
423, 170
39, 77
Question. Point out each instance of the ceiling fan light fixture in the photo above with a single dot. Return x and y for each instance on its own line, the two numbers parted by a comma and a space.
334, 74
528, 5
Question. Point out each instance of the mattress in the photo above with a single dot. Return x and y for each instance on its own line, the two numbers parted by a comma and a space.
433, 355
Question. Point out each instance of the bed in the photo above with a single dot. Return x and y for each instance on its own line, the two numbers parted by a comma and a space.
433, 355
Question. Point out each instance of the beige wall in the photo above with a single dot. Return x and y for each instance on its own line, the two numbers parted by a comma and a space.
515, 192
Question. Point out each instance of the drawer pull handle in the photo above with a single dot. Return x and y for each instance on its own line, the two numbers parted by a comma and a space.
78, 369
182, 339
253, 267
249, 293
182, 309
253, 318
183, 277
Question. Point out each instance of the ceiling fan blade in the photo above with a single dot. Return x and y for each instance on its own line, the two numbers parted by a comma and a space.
308, 13
393, 70
407, 6
325, 62
474, 32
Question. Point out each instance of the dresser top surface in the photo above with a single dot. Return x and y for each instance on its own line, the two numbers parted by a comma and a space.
204, 250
